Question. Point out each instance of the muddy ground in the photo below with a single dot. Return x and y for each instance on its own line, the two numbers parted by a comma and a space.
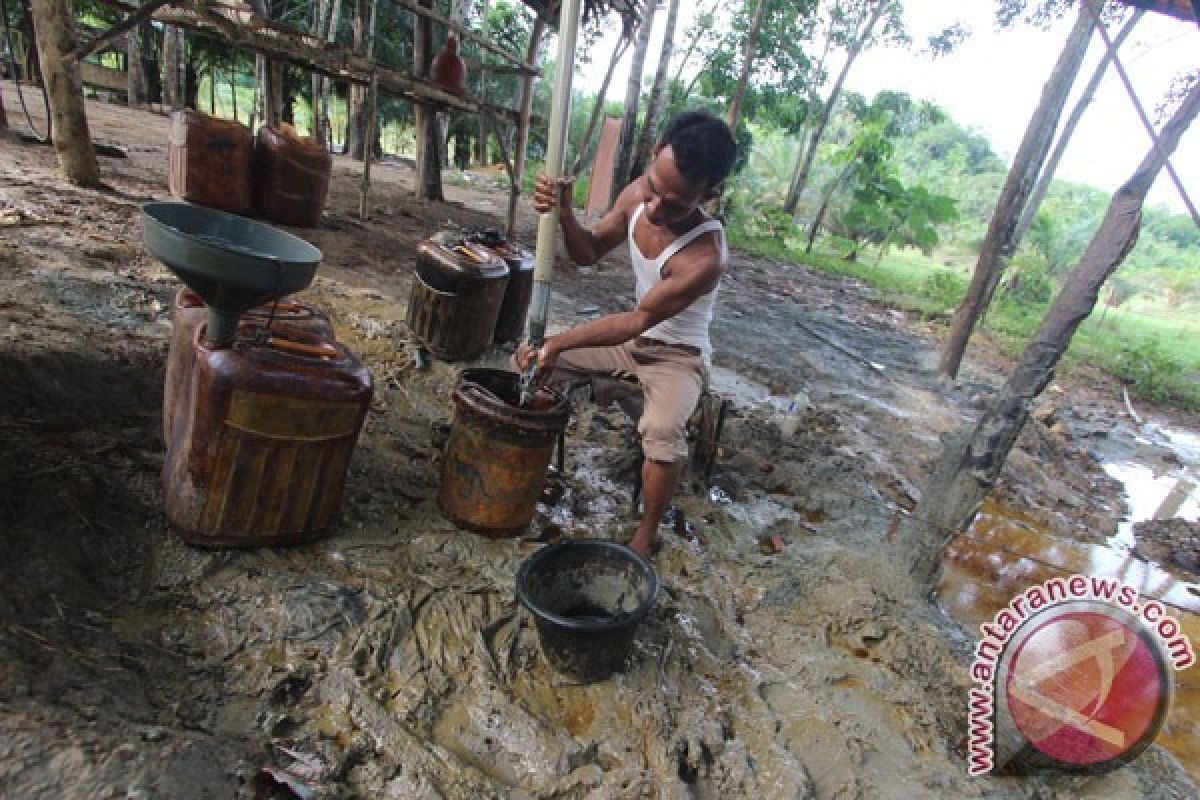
390, 661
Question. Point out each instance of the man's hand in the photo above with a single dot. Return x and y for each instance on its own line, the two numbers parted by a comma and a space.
545, 355
549, 193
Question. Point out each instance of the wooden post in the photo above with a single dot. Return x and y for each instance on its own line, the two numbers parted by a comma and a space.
481, 149
368, 151
522, 143
974, 455
54, 24
997, 245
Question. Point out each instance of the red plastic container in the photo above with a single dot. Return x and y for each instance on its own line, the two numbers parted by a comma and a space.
261, 444
291, 177
210, 161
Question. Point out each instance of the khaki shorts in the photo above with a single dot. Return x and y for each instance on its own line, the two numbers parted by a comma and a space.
671, 381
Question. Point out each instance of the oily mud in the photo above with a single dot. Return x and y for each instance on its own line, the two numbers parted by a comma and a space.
392, 659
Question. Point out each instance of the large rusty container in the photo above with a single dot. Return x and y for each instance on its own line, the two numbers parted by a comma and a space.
496, 460
291, 177
456, 296
210, 162
262, 442
188, 314
510, 322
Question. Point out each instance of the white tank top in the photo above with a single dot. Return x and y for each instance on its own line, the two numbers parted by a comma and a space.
689, 326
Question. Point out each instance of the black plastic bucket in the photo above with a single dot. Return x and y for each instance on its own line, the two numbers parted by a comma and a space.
588, 597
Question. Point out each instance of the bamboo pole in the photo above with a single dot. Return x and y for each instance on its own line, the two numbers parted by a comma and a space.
556, 149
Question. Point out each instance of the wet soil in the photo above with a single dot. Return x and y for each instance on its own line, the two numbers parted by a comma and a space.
391, 660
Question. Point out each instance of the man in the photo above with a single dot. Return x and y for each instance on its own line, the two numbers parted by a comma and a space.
678, 254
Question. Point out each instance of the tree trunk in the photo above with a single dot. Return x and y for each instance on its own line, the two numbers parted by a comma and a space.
1064, 137
357, 107
54, 24
135, 70
233, 90
654, 106
173, 68
633, 96
998, 243
481, 153
697, 34
801, 177
749, 47
824, 207
270, 77
585, 144
974, 456
810, 90
428, 182
521, 145
328, 22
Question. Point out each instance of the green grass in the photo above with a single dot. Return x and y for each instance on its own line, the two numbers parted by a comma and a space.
1155, 350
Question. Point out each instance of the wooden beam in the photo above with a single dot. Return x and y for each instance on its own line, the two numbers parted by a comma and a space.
466, 33
1179, 9
242, 28
131, 21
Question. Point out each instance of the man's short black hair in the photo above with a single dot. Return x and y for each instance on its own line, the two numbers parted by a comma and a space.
703, 146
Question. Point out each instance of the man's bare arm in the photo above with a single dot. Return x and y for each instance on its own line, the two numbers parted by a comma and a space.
587, 246
671, 295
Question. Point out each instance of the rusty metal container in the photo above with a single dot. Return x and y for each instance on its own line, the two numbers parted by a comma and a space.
291, 177
261, 444
495, 463
210, 162
188, 313
510, 323
456, 296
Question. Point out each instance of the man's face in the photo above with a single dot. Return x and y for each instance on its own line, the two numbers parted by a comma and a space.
669, 196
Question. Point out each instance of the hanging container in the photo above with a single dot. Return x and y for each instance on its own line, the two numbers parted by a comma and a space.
448, 70
210, 162
496, 459
456, 296
510, 322
587, 597
262, 443
291, 177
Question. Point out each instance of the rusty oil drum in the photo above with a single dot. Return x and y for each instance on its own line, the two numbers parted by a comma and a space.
498, 454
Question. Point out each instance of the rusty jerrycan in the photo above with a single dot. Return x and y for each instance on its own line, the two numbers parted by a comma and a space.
261, 445
456, 296
210, 162
291, 177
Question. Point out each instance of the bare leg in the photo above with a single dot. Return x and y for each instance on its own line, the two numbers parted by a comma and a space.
658, 484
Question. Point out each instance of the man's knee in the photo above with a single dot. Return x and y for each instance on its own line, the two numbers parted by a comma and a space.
665, 443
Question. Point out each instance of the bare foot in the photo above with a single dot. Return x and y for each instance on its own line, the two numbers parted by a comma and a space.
646, 546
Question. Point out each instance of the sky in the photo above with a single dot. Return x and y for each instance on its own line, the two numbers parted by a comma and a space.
993, 82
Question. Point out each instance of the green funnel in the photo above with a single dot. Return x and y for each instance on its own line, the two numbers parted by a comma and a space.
233, 263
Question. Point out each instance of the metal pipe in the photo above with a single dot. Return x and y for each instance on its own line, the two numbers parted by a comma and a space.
556, 148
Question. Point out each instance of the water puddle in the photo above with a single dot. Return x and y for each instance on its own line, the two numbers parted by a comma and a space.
1005, 551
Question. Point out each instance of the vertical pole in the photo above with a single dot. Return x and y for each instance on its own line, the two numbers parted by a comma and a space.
369, 149
556, 149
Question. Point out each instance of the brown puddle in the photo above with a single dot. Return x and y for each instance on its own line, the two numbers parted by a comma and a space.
1004, 552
